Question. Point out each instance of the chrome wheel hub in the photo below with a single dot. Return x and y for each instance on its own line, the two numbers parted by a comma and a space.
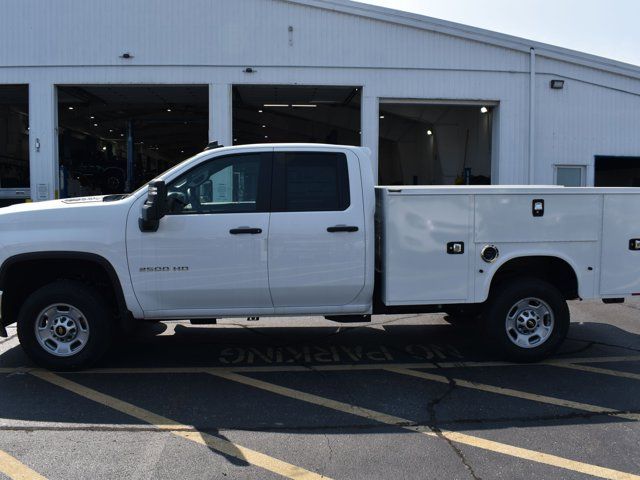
529, 322
62, 330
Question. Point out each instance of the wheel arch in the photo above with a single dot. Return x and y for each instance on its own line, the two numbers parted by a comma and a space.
553, 268
96, 268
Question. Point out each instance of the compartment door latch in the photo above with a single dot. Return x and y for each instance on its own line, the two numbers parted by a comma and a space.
455, 248
537, 207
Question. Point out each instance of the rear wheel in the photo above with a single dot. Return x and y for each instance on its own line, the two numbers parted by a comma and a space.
65, 325
526, 319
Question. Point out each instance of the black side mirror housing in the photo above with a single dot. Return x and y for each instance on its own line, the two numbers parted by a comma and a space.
154, 208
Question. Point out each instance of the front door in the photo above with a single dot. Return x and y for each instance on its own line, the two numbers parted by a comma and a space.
317, 234
209, 255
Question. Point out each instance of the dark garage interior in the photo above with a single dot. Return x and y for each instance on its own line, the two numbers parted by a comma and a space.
617, 171
14, 136
112, 139
295, 113
434, 144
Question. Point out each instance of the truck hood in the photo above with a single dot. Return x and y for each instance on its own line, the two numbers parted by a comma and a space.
55, 204
87, 224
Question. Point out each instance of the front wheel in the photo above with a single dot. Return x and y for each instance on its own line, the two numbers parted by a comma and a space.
65, 325
526, 319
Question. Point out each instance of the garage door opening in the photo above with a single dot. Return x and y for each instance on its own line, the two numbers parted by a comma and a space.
112, 139
14, 142
427, 144
617, 171
286, 113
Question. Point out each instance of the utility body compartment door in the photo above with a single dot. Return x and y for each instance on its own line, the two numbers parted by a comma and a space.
317, 230
620, 268
418, 262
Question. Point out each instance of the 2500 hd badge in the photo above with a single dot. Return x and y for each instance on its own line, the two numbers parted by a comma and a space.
164, 269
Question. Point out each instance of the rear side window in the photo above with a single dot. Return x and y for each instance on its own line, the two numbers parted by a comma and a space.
310, 182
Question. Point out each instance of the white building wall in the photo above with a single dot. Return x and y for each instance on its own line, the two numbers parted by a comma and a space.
210, 42
584, 119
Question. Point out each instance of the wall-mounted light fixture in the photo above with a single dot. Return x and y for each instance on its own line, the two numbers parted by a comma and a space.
484, 109
126, 55
556, 84
249, 70
429, 132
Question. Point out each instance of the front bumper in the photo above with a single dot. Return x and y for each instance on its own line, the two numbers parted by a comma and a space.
3, 331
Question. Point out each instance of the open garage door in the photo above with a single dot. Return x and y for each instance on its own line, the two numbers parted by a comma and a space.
14, 144
296, 113
112, 139
434, 144
617, 171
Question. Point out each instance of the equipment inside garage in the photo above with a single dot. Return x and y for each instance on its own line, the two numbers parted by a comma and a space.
617, 171
434, 144
295, 113
112, 139
14, 136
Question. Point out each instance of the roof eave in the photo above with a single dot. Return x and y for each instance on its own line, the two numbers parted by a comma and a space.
473, 33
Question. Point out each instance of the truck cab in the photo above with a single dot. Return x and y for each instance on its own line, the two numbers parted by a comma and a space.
257, 231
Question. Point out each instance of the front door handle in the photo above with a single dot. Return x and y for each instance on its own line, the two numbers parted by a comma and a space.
342, 228
245, 230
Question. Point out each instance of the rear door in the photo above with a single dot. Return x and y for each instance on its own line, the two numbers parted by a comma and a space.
316, 232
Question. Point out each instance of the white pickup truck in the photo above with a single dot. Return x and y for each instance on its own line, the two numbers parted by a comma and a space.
294, 229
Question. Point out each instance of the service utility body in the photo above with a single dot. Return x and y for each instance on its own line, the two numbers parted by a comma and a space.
301, 229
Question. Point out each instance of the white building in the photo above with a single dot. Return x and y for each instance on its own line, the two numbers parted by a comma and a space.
96, 95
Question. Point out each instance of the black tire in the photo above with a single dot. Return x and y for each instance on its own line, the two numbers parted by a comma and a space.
502, 302
95, 313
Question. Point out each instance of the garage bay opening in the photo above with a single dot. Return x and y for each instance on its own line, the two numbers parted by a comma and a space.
435, 144
617, 171
296, 113
14, 144
112, 139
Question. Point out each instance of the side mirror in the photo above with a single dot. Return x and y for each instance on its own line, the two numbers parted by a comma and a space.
154, 208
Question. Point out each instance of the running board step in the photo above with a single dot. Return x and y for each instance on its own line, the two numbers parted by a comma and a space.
348, 318
203, 321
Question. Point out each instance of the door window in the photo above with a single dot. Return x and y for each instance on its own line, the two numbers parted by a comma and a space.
310, 181
231, 184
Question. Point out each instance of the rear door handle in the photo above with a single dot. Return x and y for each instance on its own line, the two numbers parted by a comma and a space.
342, 228
245, 230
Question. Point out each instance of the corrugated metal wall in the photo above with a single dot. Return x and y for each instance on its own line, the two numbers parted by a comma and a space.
45, 43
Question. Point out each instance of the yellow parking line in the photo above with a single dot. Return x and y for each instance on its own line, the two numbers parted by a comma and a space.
586, 407
17, 470
617, 358
489, 445
603, 371
184, 431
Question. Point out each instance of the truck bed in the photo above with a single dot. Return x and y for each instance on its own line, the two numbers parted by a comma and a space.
589, 228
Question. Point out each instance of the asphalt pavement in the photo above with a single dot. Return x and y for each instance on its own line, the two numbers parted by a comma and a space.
407, 397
